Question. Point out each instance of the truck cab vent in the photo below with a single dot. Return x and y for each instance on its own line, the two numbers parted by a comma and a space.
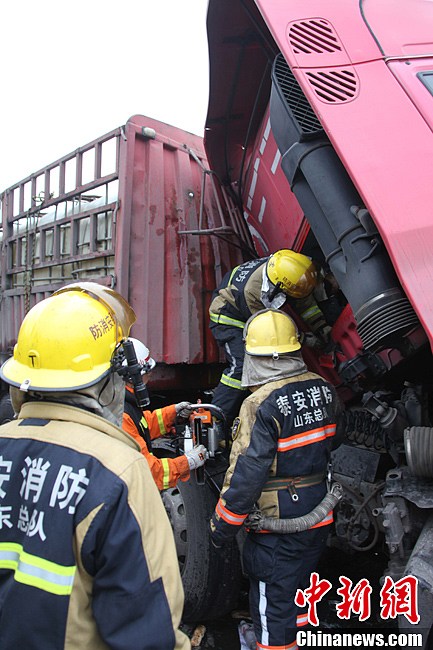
302, 112
313, 37
334, 86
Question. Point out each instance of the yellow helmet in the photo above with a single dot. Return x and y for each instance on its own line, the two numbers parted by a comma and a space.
67, 341
269, 333
293, 272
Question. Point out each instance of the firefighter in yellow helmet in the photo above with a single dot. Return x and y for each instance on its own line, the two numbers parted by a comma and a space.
278, 461
86, 547
269, 282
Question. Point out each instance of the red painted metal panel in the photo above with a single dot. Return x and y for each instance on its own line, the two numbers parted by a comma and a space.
381, 130
152, 222
238, 139
271, 210
168, 277
386, 115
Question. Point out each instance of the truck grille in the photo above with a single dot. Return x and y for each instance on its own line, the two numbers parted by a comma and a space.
334, 86
313, 37
297, 102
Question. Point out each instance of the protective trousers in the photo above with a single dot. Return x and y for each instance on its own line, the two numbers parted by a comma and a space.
229, 394
277, 566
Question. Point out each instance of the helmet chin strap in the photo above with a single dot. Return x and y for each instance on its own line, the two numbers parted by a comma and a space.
277, 289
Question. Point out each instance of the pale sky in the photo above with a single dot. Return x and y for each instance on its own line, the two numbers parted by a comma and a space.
74, 70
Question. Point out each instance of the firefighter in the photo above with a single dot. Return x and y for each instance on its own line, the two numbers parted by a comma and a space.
86, 548
146, 426
267, 282
278, 461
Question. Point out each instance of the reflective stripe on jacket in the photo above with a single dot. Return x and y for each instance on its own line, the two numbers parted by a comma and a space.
166, 472
284, 430
86, 548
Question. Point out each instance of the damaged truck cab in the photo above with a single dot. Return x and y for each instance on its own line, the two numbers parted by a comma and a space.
320, 122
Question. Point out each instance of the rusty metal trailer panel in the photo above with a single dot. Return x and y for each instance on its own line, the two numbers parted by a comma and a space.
139, 210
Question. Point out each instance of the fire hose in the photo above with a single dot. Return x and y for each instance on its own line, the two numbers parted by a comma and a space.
256, 521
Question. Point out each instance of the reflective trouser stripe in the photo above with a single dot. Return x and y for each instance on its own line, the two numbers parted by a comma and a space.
302, 619
160, 421
166, 475
264, 641
226, 320
233, 383
263, 601
291, 646
35, 571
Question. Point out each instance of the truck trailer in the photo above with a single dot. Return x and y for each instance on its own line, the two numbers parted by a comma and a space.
138, 210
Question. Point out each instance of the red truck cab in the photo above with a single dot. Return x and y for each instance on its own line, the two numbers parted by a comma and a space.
320, 123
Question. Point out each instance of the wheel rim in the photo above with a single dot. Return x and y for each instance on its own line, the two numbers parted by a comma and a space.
175, 508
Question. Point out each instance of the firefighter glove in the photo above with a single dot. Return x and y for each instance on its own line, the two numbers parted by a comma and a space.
311, 341
196, 457
183, 409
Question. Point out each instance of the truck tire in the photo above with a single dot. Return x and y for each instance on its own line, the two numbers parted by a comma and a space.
6, 410
211, 581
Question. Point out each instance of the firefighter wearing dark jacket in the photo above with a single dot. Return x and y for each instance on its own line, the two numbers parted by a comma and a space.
146, 426
86, 548
267, 282
278, 461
